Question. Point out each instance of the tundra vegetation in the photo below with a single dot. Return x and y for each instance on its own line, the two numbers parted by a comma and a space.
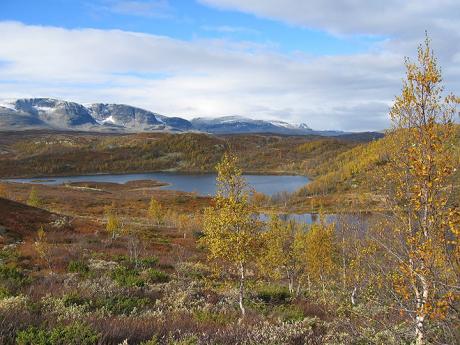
103, 263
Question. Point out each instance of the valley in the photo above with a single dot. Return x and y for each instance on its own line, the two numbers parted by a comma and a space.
119, 226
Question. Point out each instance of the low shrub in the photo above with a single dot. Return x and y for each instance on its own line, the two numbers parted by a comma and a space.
204, 316
127, 277
12, 278
193, 270
4, 292
156, 276
153, 341
187, 340
74, 299
148, 262
289, 313
78, 267
273, 294
121, 305
74, 334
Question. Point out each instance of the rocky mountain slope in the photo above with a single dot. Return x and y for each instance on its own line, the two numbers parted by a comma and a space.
48, 113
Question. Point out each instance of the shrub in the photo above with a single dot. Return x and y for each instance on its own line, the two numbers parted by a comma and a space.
127, 277
78, 267
155, 276
187, 340
74, 334
122, 305
4, 292
153, 341
74, 299
289, 313
273, 294
205, 316
11, 278
118, 305
194, 270
148, 262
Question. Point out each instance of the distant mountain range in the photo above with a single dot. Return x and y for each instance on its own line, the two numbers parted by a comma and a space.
53, 114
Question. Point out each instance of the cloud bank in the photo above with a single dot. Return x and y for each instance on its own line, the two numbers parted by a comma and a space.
219, 77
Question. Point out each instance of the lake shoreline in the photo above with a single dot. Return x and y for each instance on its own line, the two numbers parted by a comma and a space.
127, 172
201, 183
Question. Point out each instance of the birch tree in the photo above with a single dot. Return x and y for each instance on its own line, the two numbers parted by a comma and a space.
231, 232
34, 199
423, 240
156, 211
321, 253
284, 253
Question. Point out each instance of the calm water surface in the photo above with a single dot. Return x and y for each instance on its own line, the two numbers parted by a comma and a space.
346, 221
203, 184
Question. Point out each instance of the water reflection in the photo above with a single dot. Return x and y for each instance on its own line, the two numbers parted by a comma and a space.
342, 221
203, 184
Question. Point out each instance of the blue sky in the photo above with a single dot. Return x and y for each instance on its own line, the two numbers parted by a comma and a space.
329, 63
185, 20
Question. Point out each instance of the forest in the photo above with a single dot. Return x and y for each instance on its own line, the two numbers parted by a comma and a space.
106, 263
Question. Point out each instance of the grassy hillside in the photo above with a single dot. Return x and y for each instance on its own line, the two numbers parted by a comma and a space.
343, 170
41, 153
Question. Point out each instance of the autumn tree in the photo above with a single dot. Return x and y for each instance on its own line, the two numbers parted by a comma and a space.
42, 246
424, 226
156, 211
284, 252
320, 253
114, 225
3, 191
34, 199
231, 232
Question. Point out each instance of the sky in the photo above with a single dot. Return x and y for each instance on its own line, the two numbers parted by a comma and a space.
328, 63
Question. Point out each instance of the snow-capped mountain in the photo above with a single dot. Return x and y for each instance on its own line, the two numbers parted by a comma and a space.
124, 116
44, 113
239, 124
48, 113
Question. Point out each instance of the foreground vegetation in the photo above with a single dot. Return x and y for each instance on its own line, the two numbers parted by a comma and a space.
101, 263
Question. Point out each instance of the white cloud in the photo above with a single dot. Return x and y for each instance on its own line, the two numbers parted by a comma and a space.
202, 77
354, 16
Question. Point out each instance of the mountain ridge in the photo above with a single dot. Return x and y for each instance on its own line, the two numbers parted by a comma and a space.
55, 114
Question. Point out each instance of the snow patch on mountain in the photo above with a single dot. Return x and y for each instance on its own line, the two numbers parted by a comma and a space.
59, 114
109, 119
8, 104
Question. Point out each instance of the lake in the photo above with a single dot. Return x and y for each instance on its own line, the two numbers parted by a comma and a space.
203, 184
343, 222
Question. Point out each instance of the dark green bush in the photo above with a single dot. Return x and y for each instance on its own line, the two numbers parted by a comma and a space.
117, 305
75, 299
153, 341
127, 277
75, 334
156, 276
78, 266
4, 292
289, 313
12, 279
149, 262
273, 294
122, 305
